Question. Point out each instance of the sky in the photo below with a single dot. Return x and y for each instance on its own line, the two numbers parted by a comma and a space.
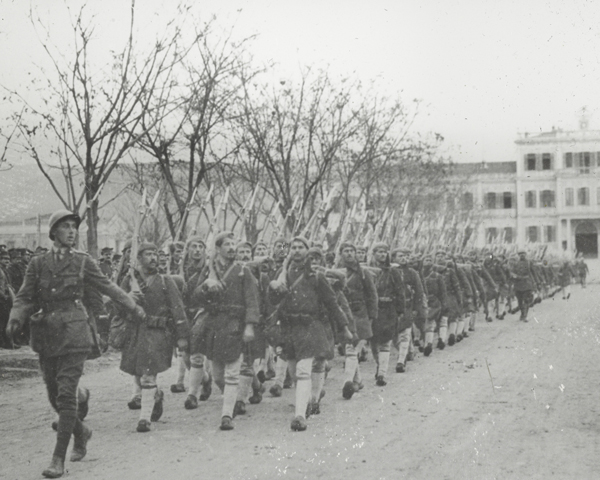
484, 71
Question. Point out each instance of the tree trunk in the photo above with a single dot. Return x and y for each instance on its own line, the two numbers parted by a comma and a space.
92, 232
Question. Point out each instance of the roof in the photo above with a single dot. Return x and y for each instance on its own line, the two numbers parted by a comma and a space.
485, 168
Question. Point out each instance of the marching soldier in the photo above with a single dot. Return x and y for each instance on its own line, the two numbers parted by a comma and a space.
391, 304
414, 308
307, 302
195, 273
522, 276
361, 294
453, 308
436, 302
150, 348
232, 311
56, 286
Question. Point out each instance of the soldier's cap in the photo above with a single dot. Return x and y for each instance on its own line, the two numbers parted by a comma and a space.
301, 239
361, 248
176, 246
315, 252
521, 250
162, 253
195, 239
244, 244
106, 250
440, 251
4, 254
14, 252
403, 251
428, 255
220, 238
347, 244
257, 244
22, 251
117, 257
58, 217
380, 246
280, 240
146, 246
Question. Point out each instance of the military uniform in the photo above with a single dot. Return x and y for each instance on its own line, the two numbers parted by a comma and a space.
56, 287
522, 275
305, 308
222, 329
436, 303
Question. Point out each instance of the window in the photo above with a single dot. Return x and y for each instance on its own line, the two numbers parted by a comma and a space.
598, 195
508, 235
568, 197
586, 159
532, 234
550, 233
507, 200
530, 199
583, 196
467, 201
530, 161
491, 234
598, 159
490, 200
569, 160
546, 161
547, 199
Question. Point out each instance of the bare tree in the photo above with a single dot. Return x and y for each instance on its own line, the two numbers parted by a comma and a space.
194, 138
291, 134
92, 114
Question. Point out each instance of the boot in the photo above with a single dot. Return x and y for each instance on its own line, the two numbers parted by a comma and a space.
298, 424
157, 410
83, 398
135, 403
239, 408
191, 402
226, 423
80, 444
56, 468
206, 389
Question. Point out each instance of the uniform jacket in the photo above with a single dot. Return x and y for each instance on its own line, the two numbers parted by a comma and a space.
309, 313
391, 294
436, 292
151, 346
361, 294
522, 275
228, 312
416, 301
58, 291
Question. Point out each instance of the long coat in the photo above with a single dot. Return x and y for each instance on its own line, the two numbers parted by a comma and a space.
361, 294
391, 295
227, 313
308, 313
150, 348
522, 275
416, 301
58, 292
436, 294
454, 296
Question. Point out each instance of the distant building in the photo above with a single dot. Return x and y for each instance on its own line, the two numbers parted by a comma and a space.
550, 194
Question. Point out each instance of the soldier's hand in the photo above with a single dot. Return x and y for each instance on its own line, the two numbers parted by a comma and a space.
137, 297
278, 286
347, 333
213, 286
182, 344
139, 312
248, 333
12, 328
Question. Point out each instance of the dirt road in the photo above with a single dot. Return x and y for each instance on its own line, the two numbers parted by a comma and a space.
443, 419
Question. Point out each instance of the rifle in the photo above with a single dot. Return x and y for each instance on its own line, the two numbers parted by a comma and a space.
185, 215
269, 220
203, 209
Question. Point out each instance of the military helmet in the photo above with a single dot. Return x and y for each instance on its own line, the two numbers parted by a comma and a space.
58, 216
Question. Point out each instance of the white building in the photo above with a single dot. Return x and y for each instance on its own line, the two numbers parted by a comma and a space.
550, 194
